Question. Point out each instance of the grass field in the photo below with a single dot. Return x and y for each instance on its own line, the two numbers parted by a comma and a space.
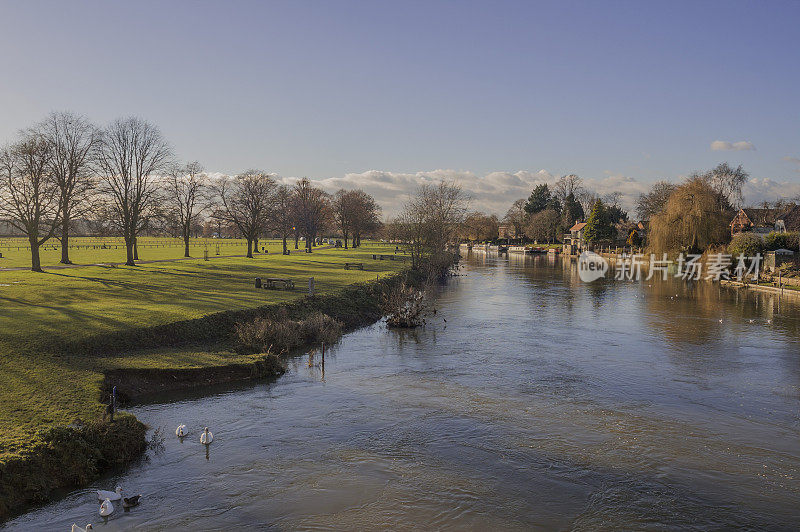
42, 387
94, 250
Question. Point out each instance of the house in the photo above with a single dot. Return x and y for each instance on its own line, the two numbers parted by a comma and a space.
759, 221
789, 220
573, 241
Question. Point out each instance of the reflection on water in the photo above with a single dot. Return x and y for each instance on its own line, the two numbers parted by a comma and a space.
541, 402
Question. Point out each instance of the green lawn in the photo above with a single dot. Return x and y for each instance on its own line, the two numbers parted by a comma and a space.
93, 250
42, 388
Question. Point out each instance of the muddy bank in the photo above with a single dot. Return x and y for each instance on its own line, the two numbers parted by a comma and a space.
135, 385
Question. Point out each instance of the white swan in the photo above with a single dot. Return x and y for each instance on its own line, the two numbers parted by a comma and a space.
206, 437
110, 495
76, 528
181, 431
106, 508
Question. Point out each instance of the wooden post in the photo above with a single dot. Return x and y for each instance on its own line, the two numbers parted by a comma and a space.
323, 356
113, 402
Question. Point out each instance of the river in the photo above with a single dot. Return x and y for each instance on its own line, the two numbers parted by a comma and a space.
530, 401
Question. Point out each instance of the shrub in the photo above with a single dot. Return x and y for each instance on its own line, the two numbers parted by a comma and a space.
775, 241
265, 335
747, 244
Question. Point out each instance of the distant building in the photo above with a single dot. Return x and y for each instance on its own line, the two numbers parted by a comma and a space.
759, 221
789, 220
506, 231
573, 241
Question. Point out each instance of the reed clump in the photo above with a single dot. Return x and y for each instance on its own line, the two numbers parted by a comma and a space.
263, 335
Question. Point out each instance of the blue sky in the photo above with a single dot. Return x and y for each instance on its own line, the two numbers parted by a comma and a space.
385, 94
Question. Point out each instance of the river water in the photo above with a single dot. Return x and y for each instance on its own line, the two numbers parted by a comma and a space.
530, 401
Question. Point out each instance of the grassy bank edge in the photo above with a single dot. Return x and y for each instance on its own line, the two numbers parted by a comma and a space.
68, 457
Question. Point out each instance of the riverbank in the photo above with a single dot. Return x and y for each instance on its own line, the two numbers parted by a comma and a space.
767, 288
52, 398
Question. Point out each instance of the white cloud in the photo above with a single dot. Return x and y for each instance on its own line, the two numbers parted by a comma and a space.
724, 145
759, 190
494, 192
490, 193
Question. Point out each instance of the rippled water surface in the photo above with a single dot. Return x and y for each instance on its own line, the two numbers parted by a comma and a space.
531, 400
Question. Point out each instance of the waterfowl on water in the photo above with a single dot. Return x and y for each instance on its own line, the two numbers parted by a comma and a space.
720, 320
76, 528
110, 495
181, 431
206, 437
130, 502
106, 508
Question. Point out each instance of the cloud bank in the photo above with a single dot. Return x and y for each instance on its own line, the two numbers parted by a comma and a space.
493, 193
724, 145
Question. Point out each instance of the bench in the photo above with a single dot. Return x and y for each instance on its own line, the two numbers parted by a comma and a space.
388, 257
353, 265
271, 283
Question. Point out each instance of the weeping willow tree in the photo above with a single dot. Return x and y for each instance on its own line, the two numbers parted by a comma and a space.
695, 216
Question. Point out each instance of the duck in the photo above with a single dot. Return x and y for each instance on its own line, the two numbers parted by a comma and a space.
110, 495
106, 508
206, 437
752, 321
181, 431
130, 502
76, 528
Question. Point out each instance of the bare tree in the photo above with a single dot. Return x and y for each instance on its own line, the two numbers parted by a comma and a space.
652, 203
312, 208
430, 220
73, 141
566, 185
517, 216
29, 195
246, 201
132, 151
365, 215
342, 212
187, 194
281, 215
728, 181
543, 225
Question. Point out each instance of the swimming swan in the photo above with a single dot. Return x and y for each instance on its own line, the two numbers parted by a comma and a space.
206, 437
181, 431
106, 508
76, 528
110, 495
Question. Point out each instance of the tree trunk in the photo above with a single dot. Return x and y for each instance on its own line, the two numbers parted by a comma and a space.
354, 240
36, 264
296, 240
249, 248
284, 245
255, 244
135, 249
129, 247
65, 239
345, 239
